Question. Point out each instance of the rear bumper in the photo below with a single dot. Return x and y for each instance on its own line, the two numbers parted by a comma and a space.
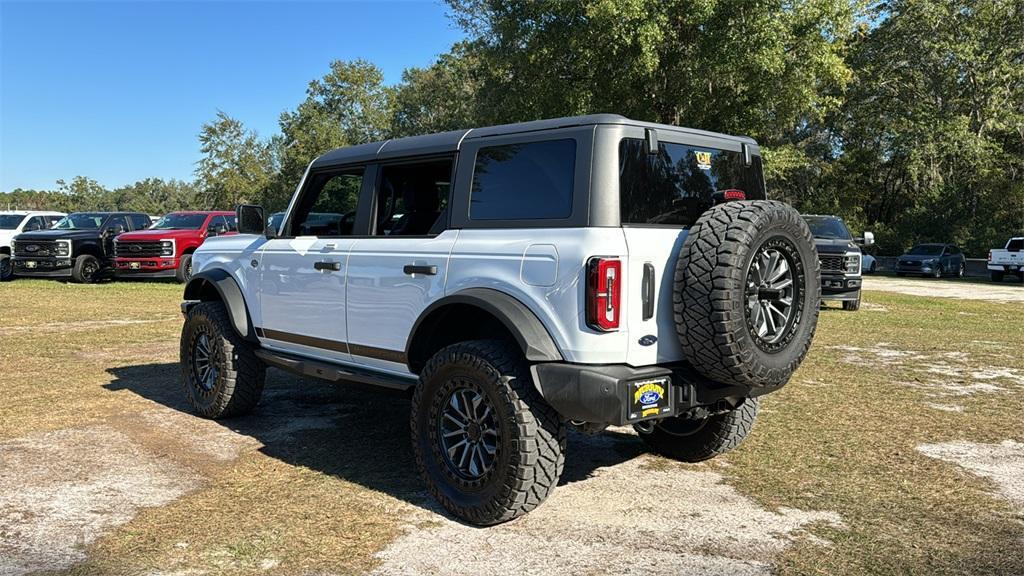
47, 267
612, 393
1011, 268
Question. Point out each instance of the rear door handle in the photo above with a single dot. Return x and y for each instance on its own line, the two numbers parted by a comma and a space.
647, 291
329, 266
425, 270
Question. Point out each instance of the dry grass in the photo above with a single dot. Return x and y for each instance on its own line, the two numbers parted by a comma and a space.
320, 478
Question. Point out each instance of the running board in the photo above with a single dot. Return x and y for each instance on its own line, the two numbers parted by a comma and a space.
334, 372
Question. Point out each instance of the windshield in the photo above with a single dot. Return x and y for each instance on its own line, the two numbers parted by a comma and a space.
10, 221
81, 221
926, 250
828, 227
679, 183
180, 222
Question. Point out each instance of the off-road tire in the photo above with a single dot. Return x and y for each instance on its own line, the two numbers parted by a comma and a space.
6, 268
86, 270
715, 435
710, 292
240, 374
997, 276
852, 305
184, 272
530, 447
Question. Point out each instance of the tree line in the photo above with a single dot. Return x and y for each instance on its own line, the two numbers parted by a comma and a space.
906, 117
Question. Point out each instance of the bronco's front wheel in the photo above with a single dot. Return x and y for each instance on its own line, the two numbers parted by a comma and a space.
694, 440
221, 374
488, 446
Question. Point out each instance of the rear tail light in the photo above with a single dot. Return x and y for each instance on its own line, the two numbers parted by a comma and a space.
604, 290
989, 255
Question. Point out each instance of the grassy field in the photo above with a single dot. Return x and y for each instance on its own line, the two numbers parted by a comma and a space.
320, 478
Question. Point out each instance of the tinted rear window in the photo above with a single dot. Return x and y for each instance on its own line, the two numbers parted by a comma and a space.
1015, 245
524, 181
676, 185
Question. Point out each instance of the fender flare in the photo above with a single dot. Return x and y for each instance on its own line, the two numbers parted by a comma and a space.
230, 294
531, 335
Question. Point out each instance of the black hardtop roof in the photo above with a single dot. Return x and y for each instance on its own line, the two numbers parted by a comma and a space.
444, 142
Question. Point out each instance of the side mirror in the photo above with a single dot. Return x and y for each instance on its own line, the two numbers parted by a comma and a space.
867, 240
250, 219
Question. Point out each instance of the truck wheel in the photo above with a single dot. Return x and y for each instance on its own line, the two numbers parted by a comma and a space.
997, 276
6, 268
852, 305
222, 376
746, 293
86, 269
486, 443
184, 271
689, 440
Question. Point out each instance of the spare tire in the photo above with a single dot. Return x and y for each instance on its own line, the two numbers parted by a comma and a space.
746, 293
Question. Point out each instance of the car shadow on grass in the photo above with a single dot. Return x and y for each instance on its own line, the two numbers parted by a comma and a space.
351, 431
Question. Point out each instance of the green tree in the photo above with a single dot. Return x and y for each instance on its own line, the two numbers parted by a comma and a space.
932, 131
349, 105
236, 167
440, 97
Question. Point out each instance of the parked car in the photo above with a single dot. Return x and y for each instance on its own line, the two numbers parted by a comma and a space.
79, 246
935, 260
165, 249
868, 263
1009, 260
591, 270
14, 222
840, 258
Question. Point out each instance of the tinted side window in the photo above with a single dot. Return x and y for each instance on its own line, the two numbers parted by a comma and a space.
412, 198
524, 181
116, 221
140, 221
676, 185
328, 206
51, 220
36, 223
232, 222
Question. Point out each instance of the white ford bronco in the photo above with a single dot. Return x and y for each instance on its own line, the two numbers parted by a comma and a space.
517, 280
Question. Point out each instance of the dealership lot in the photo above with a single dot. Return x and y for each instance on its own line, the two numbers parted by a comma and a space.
898, 447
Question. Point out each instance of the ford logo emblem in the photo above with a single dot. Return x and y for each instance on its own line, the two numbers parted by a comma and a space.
135, 248
648, 340
650, 397
31, 248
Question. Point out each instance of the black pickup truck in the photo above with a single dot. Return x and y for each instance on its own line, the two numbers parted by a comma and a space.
80, 246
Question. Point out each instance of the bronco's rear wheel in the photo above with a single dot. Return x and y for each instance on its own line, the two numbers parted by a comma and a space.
221, 374
694, 440
747, 292
486, 443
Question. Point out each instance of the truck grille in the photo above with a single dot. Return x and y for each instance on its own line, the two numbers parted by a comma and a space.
831, 262
39, 248
132, 249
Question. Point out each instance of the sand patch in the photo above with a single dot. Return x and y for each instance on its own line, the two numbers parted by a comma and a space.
1001, 463
59, 491
630, 518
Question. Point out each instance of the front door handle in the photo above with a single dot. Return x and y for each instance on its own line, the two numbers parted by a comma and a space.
329, 266
425, 270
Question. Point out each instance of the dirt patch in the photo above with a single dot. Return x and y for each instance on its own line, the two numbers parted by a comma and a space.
79, 325
631, 518
59, 491
941, 376
947, 289
1002, 463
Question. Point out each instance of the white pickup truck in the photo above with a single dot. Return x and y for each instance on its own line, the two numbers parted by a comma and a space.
1009, 260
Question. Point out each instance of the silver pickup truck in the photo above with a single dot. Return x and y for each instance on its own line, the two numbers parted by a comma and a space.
1009, 260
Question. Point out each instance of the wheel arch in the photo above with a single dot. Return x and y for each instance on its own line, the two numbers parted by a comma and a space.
215, 285
478, 313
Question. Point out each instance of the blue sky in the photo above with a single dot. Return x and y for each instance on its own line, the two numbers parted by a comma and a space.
117, 91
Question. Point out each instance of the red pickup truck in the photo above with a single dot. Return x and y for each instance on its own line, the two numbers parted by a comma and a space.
164, 250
